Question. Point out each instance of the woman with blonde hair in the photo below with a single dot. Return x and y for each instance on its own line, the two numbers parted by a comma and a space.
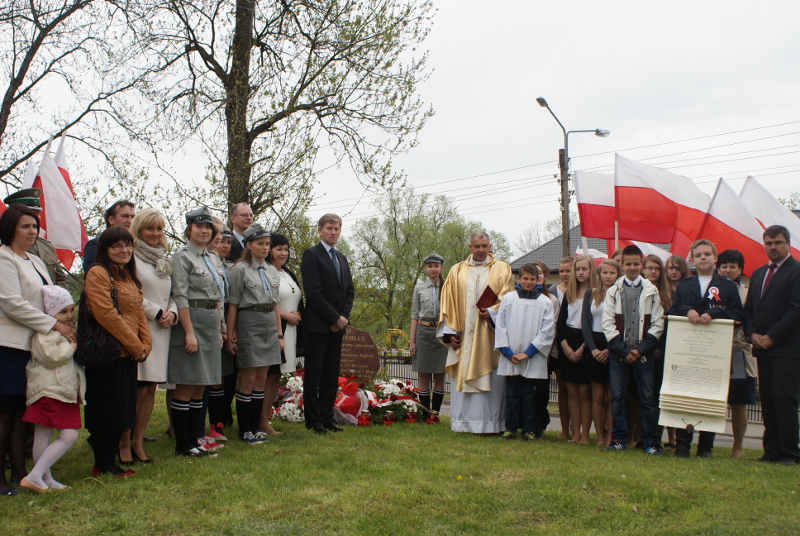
154, 270
596, 344
576, 362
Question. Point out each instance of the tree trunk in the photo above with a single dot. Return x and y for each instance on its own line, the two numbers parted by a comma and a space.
240, 142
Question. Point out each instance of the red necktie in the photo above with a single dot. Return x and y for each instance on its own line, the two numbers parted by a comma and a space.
770, 273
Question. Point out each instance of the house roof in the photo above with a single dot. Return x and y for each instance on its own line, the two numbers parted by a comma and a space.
551, 252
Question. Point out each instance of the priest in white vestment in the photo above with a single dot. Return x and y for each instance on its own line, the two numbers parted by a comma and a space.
470, 296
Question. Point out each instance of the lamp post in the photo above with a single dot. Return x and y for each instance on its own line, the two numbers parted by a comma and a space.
563, 164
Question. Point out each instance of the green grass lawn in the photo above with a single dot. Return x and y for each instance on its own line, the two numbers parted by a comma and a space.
404, 480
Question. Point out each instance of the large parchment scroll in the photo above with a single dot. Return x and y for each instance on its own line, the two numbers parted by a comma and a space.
696, 374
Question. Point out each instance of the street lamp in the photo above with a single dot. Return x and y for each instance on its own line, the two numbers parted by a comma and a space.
563, 163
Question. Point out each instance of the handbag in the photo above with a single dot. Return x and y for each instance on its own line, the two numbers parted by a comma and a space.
96, 346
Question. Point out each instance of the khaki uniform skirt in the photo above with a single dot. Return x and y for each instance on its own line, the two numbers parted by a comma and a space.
257, 339
431, 354
203, 367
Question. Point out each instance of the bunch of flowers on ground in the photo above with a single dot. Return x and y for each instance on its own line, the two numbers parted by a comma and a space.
378, 397
289, 402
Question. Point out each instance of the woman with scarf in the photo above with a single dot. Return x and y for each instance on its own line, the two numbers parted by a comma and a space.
154, 269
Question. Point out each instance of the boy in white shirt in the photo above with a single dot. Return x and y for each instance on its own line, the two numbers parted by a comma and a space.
525, 327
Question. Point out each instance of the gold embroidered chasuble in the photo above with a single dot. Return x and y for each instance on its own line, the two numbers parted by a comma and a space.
471, 364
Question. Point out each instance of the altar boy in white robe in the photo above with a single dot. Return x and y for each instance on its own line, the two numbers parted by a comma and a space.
524, 333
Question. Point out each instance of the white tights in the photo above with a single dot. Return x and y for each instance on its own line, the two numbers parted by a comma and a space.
46, 454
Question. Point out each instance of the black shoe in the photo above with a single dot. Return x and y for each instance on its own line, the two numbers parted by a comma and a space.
318, 429
124, 463
682, 451
333, 427
763, 458
138, 459
785, 461
703, 453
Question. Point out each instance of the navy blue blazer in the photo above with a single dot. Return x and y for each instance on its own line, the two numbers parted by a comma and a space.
777, 313
327, 298
721, 299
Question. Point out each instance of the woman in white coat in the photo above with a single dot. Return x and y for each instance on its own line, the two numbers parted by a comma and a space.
154, 269
22, 276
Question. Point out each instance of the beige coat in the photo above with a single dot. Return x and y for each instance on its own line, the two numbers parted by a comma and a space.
21, 302
156, 291
51, 371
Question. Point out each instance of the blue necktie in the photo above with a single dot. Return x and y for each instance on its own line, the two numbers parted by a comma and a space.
435, 303
267, 287
336, 264
214, 274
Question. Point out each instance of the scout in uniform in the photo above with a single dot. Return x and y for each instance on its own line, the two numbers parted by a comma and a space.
194, 354
255, 328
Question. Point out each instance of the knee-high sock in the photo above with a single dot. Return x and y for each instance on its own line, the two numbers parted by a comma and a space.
244, 412
216, 406
46, 454
425, 398
438, 397
257, 398
197, 418
180, 425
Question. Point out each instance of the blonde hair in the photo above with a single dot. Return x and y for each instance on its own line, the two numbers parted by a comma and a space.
702, 242
573, 287
329, 218
145, 218
599, 293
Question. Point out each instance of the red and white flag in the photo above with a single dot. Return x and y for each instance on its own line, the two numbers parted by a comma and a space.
646, 247
66, 230
595, 195
769, 211
59, 216
655, 205
67, 256
730, 225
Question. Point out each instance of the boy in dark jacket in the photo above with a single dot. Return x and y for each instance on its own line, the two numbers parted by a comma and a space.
702, 298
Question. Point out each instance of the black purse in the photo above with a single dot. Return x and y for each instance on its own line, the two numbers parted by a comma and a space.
96, 346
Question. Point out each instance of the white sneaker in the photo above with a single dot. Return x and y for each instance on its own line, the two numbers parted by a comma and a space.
262, 435
252, 439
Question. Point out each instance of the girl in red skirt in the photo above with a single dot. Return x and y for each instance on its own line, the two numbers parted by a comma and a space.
56, 386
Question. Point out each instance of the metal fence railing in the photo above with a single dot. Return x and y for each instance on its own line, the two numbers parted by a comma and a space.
398, 368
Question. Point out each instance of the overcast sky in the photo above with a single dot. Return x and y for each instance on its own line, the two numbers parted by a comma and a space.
650, 73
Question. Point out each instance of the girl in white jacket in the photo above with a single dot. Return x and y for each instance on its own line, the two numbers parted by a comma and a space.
55, 390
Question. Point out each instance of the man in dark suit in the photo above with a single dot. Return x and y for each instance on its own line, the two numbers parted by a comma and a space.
120, 214
772, 323
329, 292
241, 219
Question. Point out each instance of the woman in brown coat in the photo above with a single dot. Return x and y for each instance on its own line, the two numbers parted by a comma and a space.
111, 388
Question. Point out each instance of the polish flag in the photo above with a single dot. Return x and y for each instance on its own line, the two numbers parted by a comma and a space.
595, 195
769, 211
68, 256
730, 225
655, 205
59, 208
646, 247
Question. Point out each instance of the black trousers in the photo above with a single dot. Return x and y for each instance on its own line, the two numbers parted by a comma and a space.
321, 377
779, 383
